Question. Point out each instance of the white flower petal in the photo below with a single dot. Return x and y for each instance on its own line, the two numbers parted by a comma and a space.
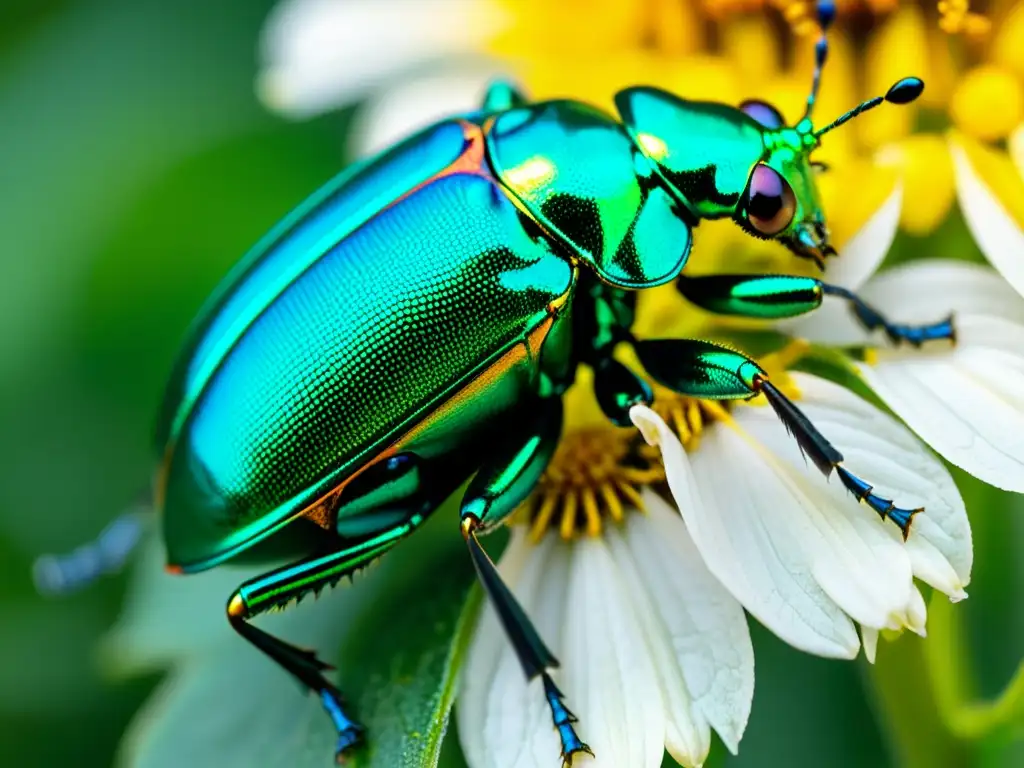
608, 672
863, 253
401, 111
687, 731
965, 402
918, 614
886, 454
928, 290
858, 560
994, 229
738, 519
706, 625
320, 54
503, 722
869, 639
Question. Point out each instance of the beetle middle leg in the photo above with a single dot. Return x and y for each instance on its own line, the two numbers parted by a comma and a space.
778, 296
497, 489
704, 370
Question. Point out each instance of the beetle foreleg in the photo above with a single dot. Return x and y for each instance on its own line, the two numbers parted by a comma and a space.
778, 296
618, 389
870, 318
708, 371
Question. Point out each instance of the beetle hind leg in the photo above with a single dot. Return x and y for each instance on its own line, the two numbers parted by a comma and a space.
304, 665
285, 585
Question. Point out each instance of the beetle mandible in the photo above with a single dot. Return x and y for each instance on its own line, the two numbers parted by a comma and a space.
340, 384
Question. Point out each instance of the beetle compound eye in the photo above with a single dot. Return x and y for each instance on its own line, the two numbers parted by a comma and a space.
770, 201
763, 113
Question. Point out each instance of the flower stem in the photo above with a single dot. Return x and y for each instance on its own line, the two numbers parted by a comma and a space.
905, 691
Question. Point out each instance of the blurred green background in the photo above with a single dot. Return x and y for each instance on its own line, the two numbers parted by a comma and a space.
135, 167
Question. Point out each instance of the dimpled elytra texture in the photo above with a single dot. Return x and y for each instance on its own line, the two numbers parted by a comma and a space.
333, 212
365, 342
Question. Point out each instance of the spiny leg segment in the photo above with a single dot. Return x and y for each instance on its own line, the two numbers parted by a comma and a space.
280, 587
289, 584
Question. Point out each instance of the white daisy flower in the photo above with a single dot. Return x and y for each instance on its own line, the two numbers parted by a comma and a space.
644, 609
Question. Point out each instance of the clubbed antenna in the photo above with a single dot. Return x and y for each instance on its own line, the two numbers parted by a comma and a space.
902, 92
826, 13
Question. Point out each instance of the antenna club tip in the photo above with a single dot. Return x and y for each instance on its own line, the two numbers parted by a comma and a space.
905, 91
826, 13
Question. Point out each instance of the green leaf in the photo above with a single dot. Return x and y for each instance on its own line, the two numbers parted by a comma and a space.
404, 660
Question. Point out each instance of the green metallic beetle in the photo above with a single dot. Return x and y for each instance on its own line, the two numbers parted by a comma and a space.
361, 363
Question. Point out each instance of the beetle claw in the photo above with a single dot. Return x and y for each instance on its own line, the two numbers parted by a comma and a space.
348, 739
567, 757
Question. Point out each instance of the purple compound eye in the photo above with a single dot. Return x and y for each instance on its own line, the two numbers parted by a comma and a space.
763, 113
770, 201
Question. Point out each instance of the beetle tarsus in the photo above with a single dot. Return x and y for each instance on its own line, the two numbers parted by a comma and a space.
885, 508
827, 458
564, 719
533, 655
350, 733
897, 333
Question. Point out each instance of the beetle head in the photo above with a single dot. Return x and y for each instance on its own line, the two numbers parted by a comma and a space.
781, 198
745, 162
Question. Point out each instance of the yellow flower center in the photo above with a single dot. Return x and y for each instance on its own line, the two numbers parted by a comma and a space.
597, 473
927, 172
956, 17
